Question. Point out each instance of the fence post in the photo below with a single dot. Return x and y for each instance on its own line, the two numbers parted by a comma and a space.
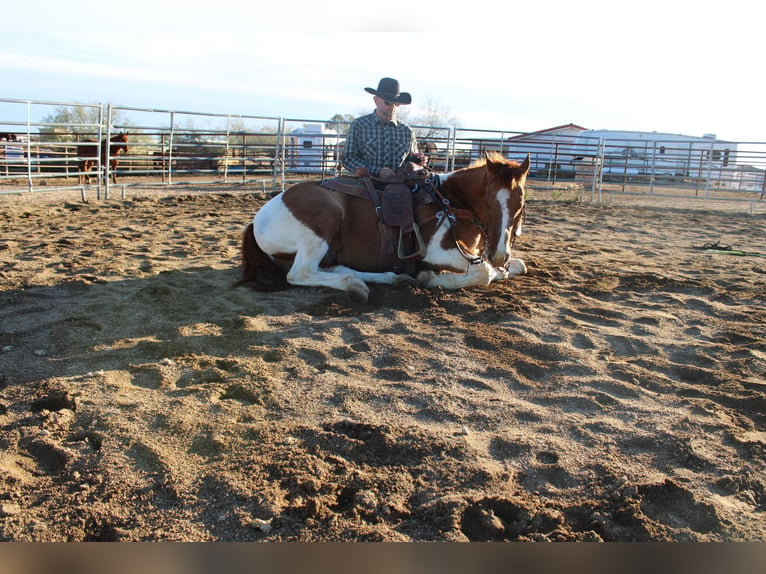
451, 145
170, 147
654, 163
226, 150
599, 173
107, 151
555, 163
279, 167
99, 163
29, 146
708, 171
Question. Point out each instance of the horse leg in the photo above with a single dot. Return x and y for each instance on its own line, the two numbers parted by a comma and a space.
383, 278
481, 274
305, 271
353, 282
512, 268
85, 168
515, 267
278, 231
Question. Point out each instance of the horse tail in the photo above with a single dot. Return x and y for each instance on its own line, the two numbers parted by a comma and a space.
258, 269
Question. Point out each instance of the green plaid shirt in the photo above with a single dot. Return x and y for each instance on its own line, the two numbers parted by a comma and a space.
373, 144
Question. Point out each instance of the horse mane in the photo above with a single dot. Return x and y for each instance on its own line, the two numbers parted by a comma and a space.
493, 157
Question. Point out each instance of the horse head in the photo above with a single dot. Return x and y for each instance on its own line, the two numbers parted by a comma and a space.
503, 205
120, 142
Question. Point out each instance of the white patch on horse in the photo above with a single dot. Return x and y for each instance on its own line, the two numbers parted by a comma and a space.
277, 230
502, 249
435, 255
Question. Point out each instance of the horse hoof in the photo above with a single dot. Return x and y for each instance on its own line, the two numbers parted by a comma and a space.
401, 281
516, 267
359, 293
424, 278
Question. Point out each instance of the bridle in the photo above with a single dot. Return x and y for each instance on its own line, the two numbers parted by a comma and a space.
448, 212
452, 214
518, 220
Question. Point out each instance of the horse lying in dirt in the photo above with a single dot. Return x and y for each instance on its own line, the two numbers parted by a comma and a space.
345, 234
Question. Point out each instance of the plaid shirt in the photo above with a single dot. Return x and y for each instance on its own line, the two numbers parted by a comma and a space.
373, 144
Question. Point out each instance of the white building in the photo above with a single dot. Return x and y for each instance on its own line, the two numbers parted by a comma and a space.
633, 153
549, 149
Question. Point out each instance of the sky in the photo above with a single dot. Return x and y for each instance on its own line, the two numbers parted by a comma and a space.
668, 66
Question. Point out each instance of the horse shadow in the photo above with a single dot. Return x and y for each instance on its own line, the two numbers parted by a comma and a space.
88, 324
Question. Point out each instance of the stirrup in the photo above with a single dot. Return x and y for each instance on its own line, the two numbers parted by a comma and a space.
421, 250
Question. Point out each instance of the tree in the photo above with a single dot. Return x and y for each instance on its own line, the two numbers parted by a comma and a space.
340, 123
429, 124
66, 121
431, 119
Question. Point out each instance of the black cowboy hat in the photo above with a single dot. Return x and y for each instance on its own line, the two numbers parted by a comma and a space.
388, 89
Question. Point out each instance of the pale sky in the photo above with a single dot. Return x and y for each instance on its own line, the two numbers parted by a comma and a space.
666, 66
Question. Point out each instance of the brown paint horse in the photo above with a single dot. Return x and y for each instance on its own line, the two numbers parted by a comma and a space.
313, 236
90, 151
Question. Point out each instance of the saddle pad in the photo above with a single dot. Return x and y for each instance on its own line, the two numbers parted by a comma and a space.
353, 187
396, 207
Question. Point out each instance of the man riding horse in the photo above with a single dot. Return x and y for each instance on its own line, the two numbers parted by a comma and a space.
379, 147
448, 230
378, 144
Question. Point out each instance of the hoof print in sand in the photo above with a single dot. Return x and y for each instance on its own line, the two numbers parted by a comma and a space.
494, 519
675, 506
51, 458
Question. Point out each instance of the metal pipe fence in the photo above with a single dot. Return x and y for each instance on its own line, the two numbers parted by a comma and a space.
44, 146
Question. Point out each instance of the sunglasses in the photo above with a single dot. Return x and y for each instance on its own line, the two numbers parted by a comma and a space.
390, 103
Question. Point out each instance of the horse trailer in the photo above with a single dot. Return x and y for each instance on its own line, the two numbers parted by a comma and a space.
312, 148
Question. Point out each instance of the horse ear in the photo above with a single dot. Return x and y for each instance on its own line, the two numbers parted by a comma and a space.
524, 169
525, 165
491, 160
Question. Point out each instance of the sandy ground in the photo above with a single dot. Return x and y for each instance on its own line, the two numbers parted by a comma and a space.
616, 392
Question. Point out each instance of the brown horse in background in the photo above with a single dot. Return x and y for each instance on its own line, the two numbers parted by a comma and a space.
90, 151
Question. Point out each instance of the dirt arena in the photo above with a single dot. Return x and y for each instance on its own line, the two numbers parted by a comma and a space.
615, 392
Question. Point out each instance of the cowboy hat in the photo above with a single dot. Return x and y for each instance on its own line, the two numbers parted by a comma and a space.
388, 89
